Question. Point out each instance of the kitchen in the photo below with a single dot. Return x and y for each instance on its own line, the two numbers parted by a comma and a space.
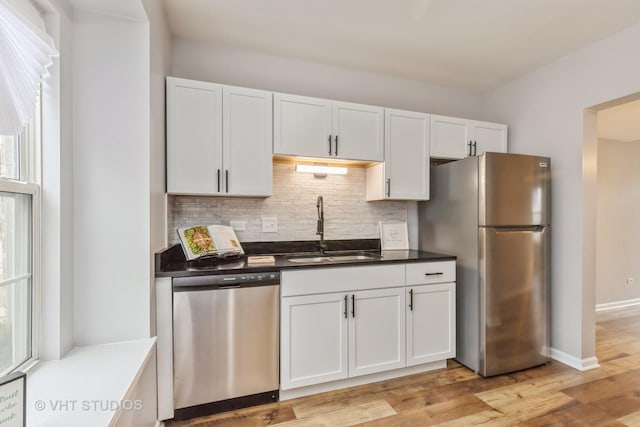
585, 78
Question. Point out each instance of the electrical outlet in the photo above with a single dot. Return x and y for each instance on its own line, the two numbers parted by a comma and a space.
269, 225
630, 281
238, 225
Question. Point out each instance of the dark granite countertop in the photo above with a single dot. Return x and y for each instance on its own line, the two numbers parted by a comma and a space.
171, 261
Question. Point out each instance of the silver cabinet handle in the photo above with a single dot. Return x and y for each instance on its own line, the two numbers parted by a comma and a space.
388, 187
353, 305
346, 305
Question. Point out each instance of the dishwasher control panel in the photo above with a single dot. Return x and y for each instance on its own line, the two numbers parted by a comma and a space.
226, 280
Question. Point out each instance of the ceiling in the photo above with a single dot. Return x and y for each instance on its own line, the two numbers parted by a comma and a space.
620, 123
469, 44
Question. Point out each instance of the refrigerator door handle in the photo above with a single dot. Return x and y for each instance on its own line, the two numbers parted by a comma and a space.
533, 228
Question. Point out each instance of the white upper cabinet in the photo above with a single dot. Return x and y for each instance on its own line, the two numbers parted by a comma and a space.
358, 132
219, 139
490, 137
312, 127
404, 175
455, 138
247, 123
194, 136
302, 126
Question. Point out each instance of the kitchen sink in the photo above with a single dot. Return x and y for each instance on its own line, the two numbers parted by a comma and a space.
332, 258
309, 259
352, 257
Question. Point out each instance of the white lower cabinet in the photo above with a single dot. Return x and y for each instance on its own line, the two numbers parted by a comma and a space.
313, 340
334, 336
372, 319
431, 323
376, 331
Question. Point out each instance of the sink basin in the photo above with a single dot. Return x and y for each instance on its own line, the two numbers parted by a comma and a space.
352, 257
331, 258
309, 259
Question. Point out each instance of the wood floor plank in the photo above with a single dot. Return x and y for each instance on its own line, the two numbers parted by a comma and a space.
620, 405
345, 417
433, 414
503, 396
631, 420
577, 415
611, 386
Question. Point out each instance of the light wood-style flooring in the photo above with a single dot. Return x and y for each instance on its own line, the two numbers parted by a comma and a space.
550, 395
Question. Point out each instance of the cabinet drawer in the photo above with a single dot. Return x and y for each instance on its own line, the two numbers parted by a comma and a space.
340, 279
431, 272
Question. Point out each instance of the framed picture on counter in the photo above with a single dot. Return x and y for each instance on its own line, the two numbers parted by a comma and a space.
13, 391
394, 235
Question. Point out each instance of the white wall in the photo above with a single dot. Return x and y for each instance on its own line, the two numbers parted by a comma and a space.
280, 74
618, 252
111, 185
160, 46
57, 188
545, 112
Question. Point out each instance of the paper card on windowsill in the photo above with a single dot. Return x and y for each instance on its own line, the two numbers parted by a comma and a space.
394, 235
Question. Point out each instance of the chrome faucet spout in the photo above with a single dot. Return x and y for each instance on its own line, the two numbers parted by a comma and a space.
320, 224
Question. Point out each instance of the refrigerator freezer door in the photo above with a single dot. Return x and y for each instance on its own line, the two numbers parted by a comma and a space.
514, 189
514, 277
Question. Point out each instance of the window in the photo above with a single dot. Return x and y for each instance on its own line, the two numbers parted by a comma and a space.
19, 246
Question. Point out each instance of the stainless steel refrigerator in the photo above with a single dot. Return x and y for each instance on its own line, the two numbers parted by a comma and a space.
494, 212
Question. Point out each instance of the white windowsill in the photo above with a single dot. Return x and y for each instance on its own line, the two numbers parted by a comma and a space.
89, 386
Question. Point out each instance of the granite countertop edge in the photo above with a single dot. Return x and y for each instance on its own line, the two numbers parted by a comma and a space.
171, 262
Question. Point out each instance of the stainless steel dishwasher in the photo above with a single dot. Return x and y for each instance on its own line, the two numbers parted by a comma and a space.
225, 342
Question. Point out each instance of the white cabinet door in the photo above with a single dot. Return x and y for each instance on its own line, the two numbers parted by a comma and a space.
358, 132
489, 137
247, 141
194, 137
302, 126
313, 340
406, 155
450, 137
376, 331
455, 138
431, 323
313, 127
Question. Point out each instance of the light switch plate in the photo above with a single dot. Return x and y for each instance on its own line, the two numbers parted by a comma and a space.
269, 224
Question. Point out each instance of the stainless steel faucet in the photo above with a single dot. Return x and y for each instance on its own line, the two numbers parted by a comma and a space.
320, 229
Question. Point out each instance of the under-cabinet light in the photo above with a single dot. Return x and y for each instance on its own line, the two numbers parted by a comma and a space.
337, 170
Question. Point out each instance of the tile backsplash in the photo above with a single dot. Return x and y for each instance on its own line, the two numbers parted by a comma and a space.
347, 214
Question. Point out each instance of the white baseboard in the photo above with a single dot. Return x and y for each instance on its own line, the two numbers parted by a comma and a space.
574, 362
617, 304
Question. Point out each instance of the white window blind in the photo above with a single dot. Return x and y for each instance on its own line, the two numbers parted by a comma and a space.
25, 53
